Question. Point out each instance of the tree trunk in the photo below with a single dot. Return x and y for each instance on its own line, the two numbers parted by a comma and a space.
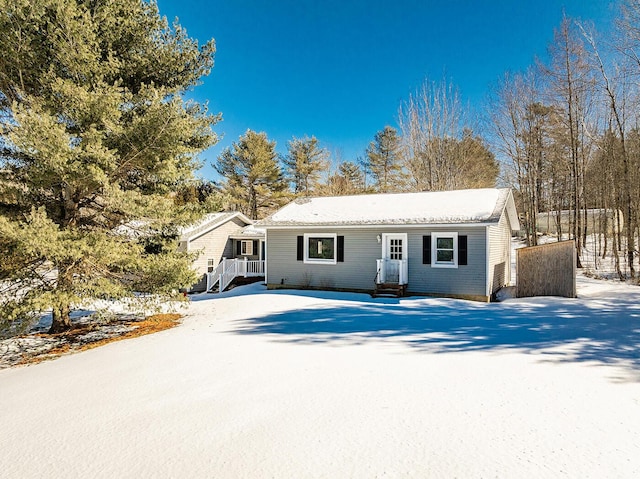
61, 319
61, 310
253, 203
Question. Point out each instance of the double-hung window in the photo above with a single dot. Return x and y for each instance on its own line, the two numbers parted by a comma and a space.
246, 247
444, 250
320, 248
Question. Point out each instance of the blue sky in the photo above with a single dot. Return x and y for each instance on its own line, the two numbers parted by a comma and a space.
340, 69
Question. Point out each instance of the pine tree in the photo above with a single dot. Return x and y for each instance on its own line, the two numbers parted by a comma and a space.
199, 191
348, 180
384, 160
475, 166
94, 133
304, 162
353, 176
254, 179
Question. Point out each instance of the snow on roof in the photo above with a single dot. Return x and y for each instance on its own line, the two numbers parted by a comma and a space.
139, 228
209, 222
438, 207
133, 229
249, 232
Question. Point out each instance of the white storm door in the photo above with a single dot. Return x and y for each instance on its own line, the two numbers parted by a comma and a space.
394, 255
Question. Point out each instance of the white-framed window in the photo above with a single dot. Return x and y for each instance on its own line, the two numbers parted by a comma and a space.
444, 250
210, 265
246, 247
320, 248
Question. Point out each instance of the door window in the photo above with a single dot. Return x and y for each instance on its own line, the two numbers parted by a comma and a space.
395, 248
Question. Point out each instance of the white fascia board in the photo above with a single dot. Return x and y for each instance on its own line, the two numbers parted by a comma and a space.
217, 224
385, 226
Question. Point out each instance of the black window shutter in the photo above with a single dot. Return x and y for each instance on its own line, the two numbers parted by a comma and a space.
255, 247
238, 247
340, 249
426, 249
300, 248
462, 250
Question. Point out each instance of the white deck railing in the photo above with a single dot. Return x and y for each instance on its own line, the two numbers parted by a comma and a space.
214, 276
251, 267
229, 269
394, 271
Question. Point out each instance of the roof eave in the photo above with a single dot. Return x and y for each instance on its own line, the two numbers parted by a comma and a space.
240, 236
197, 234
376, 225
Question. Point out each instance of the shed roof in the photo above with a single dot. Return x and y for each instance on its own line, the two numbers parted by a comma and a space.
432, 208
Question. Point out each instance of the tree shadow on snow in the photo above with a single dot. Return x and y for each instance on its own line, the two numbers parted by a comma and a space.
605, 331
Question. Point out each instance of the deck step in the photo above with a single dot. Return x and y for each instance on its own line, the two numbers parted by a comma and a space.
387, 290
237, 281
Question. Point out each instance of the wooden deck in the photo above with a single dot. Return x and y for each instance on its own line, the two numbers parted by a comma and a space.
229, 269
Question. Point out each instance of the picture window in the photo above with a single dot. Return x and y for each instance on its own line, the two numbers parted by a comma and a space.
320, 248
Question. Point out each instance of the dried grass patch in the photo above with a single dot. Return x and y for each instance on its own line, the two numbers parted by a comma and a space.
72, 342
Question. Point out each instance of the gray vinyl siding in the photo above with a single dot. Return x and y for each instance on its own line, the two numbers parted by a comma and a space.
464, 280
361, 249
499, 254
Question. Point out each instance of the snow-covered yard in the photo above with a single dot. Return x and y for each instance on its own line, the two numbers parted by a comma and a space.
288, 384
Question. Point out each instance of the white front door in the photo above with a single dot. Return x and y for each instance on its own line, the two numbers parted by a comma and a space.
394, 255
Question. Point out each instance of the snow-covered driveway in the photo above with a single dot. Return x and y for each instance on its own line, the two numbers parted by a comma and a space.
287, 384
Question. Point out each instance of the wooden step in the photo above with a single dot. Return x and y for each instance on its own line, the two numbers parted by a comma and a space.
389, 290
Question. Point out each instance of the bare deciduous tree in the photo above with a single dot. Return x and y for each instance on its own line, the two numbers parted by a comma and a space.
442, 152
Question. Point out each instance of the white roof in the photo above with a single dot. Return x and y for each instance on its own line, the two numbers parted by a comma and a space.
210, 222
134, 229
141, 228
248, 232
437, 207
